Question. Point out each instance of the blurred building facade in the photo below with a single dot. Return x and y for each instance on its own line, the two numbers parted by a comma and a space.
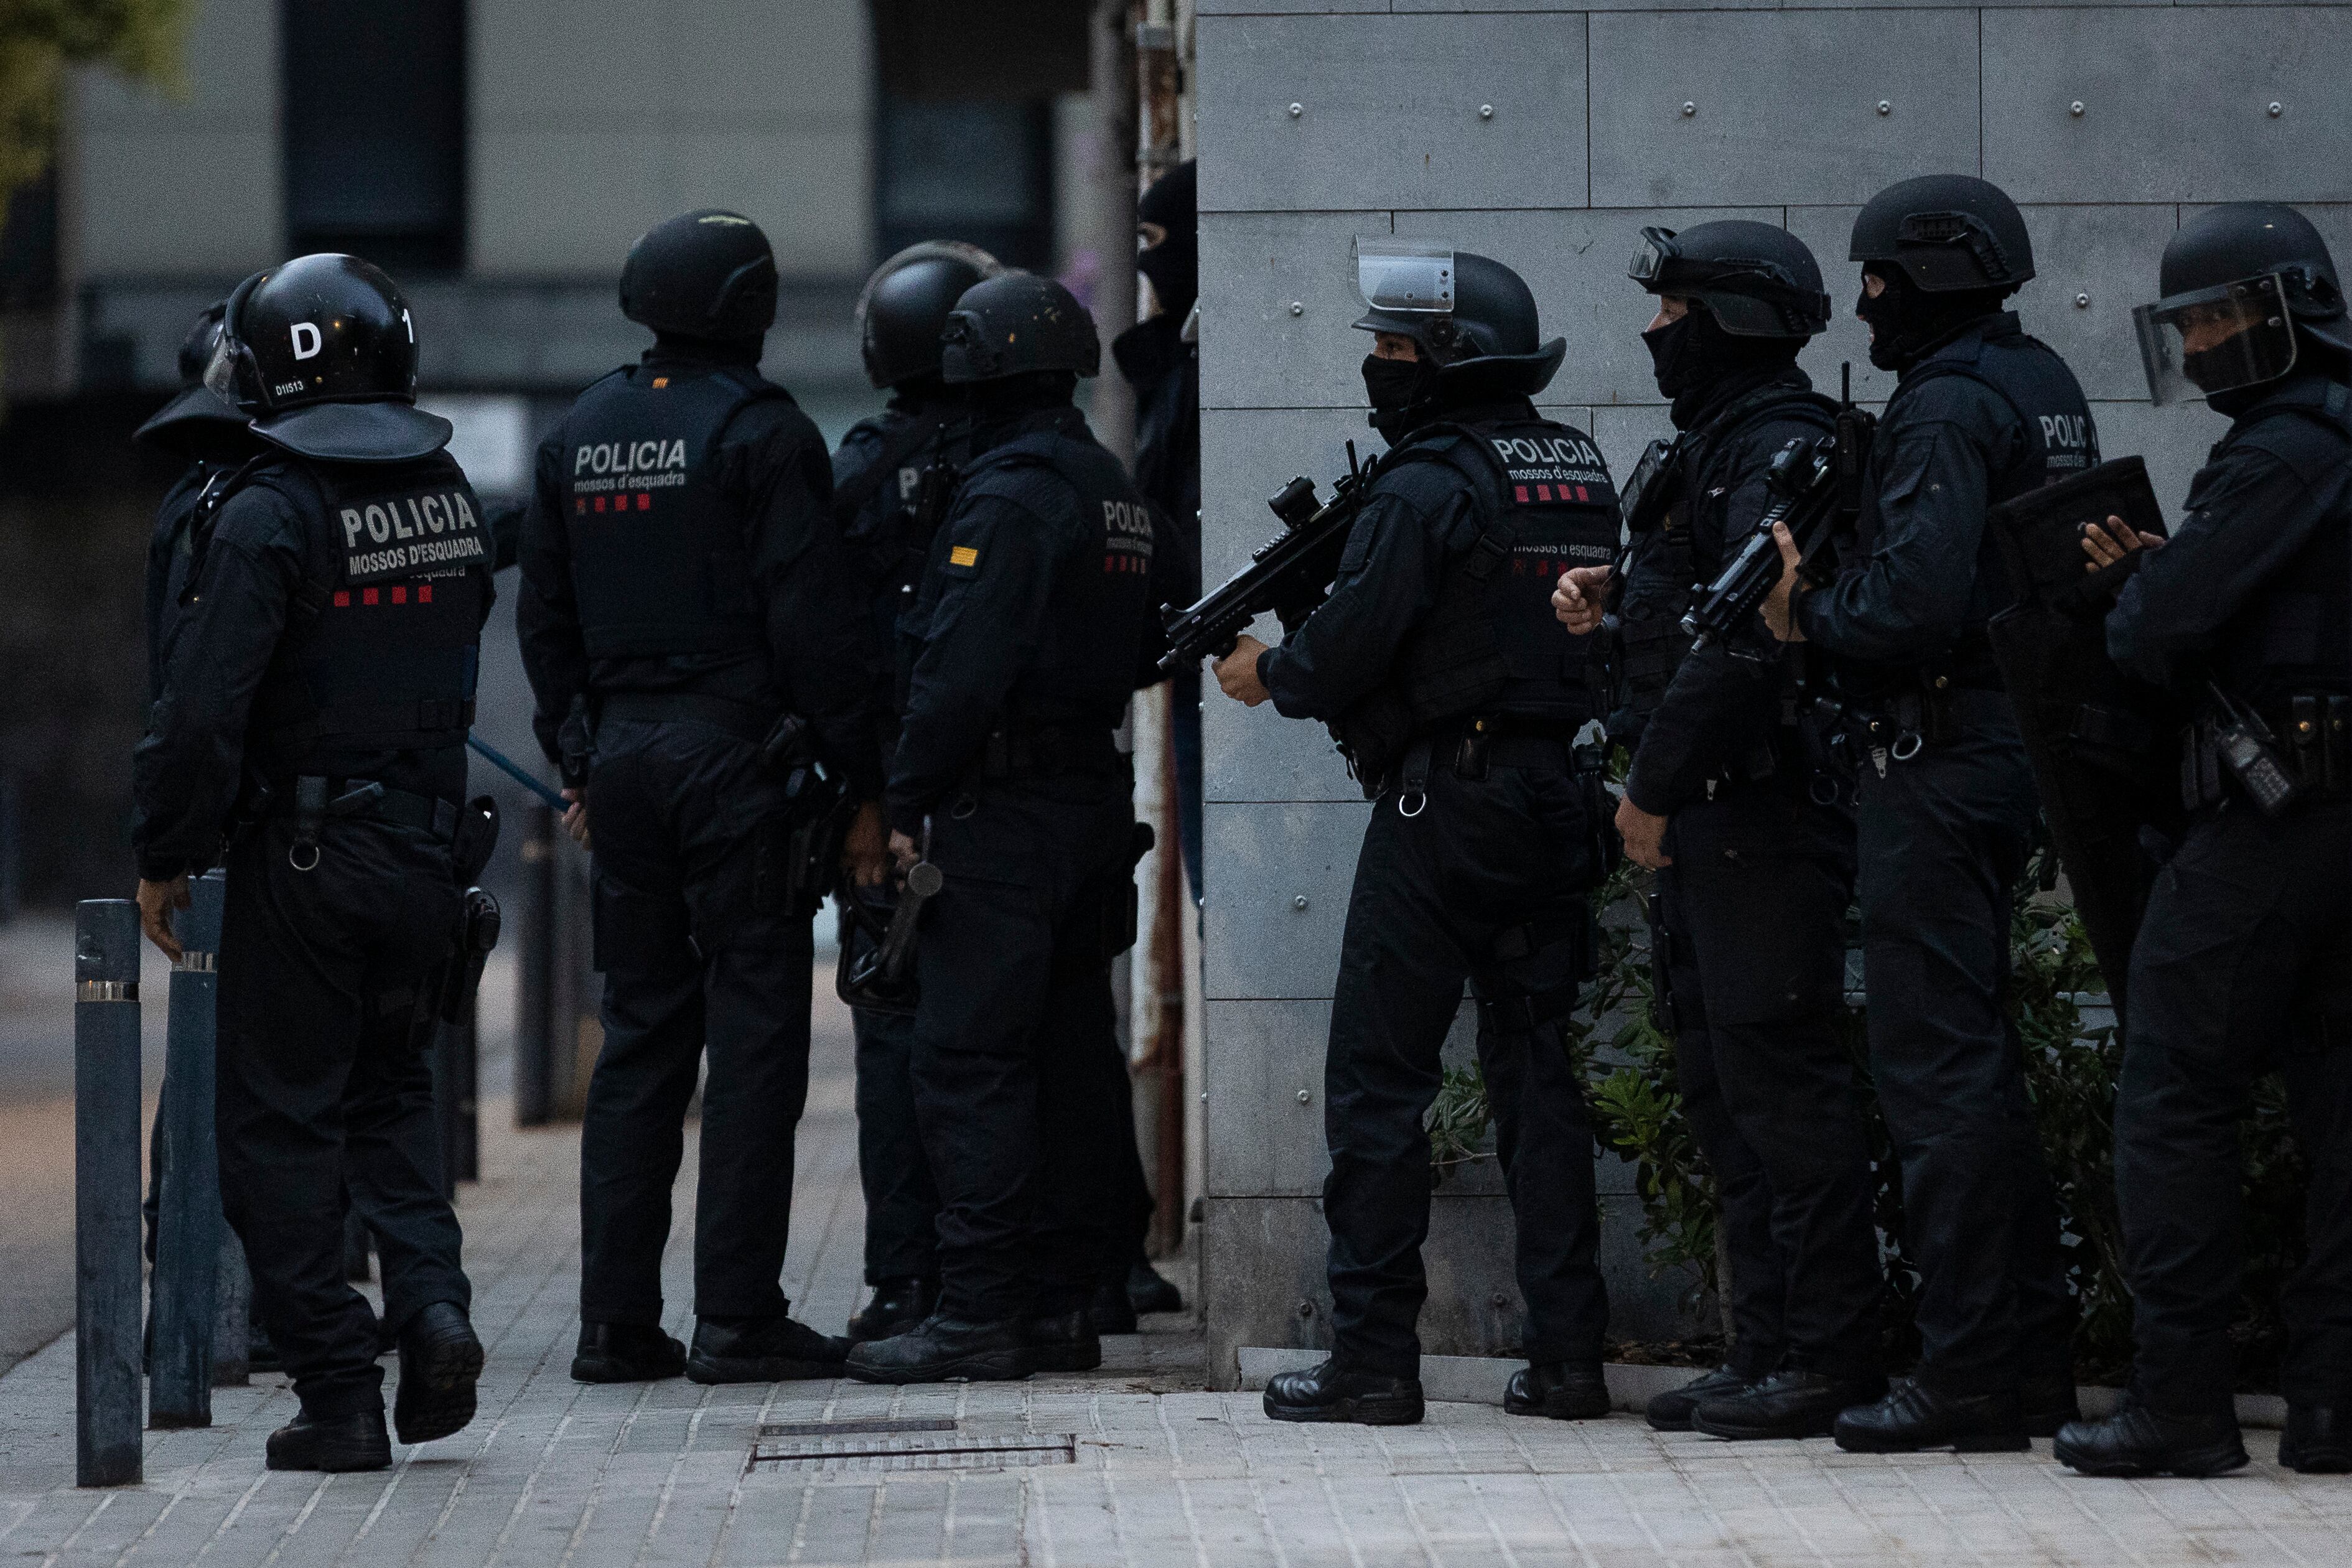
497, 157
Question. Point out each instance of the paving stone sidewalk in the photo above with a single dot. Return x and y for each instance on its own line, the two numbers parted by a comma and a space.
1136, 1465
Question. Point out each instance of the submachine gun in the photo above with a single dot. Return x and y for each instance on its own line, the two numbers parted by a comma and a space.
1289, 575
1817, 491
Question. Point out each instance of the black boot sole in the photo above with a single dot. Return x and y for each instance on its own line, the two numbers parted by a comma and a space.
2321, 1460
593, 1366
714, 1369
1589, 1409
1669, 1423
329, 1458
1391, 1410
979, 1367
1765, 1431
1972, 1442
438, 1399
2217, 1459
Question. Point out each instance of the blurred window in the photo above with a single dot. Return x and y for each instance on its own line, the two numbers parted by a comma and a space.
980, 172
374, 122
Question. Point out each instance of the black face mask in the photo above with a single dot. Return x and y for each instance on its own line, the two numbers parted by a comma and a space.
1397, 388
1675, 356
1883, 313
1173, 268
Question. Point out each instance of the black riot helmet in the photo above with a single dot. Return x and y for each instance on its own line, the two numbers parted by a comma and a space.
197, 412
320, 354
1469, 316
707, 274
1013, 324
905, 306
1756, 281
1947, 233
2243, 285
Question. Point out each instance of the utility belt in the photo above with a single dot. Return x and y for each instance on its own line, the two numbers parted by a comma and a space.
743, 720
314, 800
1898, 726
2295, 747
1015, 752
1470, 747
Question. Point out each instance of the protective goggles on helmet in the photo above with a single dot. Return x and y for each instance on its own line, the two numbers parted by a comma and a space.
2216, 340
1739, 290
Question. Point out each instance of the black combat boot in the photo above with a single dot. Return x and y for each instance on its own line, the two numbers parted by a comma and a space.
2047, 1400
1112, 1312
625, 1353
356, 1441
440, 1362
761, 1350
1149, 1292
941, 1349
1559, 1391
1795, 1402
2137, 1441
1671, 1411
2317, 1440
897, 1305
1913, 1416
1064, 1341
1333, 1393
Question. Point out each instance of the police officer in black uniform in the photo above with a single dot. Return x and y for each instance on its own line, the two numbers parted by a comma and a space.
1437, 663
210, 435
687, 606
318, 689
878, 503
1036, 622
1752, 842
2244, 958
1980, 413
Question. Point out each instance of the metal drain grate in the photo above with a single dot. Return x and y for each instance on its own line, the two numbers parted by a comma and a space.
869, 1427
861, 1446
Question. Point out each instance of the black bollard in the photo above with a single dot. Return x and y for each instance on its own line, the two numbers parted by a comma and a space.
106, 1442
535, 1044
188, 1229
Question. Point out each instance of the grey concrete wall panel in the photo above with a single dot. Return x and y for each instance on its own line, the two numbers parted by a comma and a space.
1255, 753
1827, 231
1785, 106
1287, 8
1645, 1304
1262, 861
1277, 296
2175, 104
1622, 433
1575, 263
2173, 441
2093, 264
178, 186
1391, 111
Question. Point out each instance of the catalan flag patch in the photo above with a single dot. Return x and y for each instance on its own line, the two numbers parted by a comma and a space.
963, 555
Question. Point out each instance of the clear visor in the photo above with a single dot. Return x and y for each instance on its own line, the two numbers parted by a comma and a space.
2216, 340
1405, 277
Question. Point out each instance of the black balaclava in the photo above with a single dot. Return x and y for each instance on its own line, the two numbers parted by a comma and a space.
1906, 322
1173, 265
1009, 398
1692, 358
1401, 392
2311, 357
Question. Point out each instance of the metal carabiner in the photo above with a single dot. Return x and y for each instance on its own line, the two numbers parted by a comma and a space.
1416, 796
1907, 747
294, 851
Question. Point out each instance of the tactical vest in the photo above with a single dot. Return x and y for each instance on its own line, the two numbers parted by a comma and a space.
1100, 604
2295, 635
1679, 541
2056, 440
658, 562
381, 643
878, 507
1542, 503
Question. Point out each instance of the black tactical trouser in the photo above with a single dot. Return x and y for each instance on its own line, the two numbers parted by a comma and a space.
1017, 1076
699, 955
1752, 914
2243, 964
1488, 883
320, 1088
1941, 844
902, 1202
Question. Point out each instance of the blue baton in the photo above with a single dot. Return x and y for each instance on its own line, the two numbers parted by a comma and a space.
515, 771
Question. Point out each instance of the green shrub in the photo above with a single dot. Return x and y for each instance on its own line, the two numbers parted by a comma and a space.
1627, 1063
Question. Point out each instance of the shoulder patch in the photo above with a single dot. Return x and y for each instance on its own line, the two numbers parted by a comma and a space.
963, 555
